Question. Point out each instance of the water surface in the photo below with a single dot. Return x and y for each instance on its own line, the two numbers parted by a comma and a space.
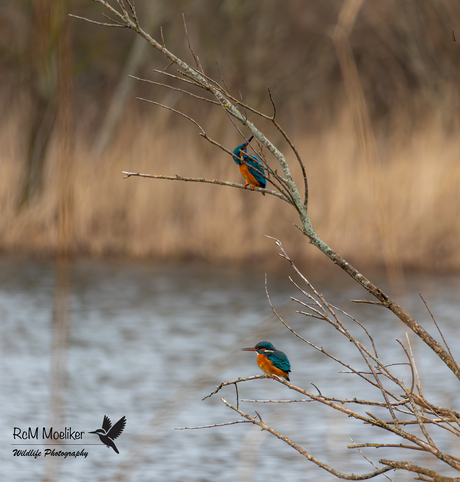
148, 341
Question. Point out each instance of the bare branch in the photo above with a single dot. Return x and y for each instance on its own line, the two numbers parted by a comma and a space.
369, 302
129, 18
201, 179
199, 97
176, 77
409, 403
378, 445
410, 467
103, 24
410, 394
370, 461
333, 399
410, 365
273, 103
303, 452
361, 325
114, 21
234, 382
203, 132
213, 425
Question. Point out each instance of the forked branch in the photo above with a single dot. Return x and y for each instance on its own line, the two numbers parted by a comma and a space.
126, 16
408, 404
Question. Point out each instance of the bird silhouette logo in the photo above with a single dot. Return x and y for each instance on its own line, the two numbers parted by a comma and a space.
108, 434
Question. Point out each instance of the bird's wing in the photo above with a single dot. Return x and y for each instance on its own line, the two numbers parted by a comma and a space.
256, 169
106, 424
280, 360
116, 430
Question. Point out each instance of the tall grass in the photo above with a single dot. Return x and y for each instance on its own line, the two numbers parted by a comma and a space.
168, 219
406, 64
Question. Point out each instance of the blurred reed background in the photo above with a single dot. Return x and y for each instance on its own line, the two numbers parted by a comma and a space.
71, 124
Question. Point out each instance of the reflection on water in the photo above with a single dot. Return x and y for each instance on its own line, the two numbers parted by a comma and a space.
149, 341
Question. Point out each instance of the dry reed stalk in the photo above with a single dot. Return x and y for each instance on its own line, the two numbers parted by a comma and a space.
157, 219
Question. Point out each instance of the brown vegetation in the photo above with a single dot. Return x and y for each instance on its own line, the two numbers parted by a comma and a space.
408, 67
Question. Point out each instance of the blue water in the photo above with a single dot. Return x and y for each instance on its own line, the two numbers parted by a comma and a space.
148, 341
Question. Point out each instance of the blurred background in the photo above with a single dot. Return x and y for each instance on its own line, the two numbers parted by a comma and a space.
71, 124
132, 297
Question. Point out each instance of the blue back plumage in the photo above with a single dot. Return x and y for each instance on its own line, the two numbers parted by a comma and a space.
279, 360
253, 162
256, 169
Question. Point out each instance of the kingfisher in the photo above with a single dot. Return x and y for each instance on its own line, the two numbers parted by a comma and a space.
270, 360
252, 171
107, 433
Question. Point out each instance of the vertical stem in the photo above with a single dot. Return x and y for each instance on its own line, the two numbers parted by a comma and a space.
62, 288
366, 137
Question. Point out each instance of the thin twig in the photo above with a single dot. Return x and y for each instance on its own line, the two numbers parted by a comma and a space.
434, 321
410, 365
370, 461
103, 24
203, 134
221, 76
379, 445
291, 145
419, 384
331, 399
303, 452
201, 179
369, 302
212, 426
197, 60
410, 467
234, 382
361, 325
113, 21
183, 91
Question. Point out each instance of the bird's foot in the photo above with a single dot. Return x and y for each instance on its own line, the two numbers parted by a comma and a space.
246, 185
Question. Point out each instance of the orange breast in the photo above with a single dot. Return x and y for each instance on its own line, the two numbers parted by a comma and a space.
249, 178
266, 366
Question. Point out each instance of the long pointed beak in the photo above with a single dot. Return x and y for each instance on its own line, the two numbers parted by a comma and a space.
248, 349
91, 432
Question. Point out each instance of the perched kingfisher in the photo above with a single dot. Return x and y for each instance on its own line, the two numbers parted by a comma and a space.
270, 360
107, 433
252, 171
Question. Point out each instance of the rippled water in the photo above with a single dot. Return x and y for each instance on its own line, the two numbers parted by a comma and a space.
149, 341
